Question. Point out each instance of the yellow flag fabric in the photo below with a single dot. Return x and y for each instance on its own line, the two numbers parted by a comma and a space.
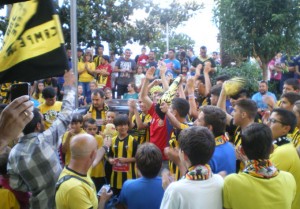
33, 46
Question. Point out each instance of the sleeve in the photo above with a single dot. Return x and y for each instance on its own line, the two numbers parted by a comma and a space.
226, 195
15, 180
60, 125
178, 65
170, 199
133, 67
134, 147
78, 198
118, 63
195, 63
109, 70
122, 197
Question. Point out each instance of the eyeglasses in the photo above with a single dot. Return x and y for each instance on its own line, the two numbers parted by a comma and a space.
273, 120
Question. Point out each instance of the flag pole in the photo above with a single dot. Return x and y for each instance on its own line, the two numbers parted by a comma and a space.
73, 17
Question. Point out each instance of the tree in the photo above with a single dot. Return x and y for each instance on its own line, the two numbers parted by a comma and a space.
258, 28
111, 20
176, 41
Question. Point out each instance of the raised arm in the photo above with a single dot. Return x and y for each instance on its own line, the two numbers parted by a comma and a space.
222, 104
162, 72
60, 125
144, 90
207, 70
191, 97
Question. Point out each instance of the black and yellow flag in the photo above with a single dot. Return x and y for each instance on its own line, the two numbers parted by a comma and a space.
33, 43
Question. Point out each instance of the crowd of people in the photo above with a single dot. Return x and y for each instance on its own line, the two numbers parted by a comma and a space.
186, 142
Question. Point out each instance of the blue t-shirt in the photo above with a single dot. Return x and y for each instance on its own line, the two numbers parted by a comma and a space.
142, 193
176, 65
258, 99
223, 159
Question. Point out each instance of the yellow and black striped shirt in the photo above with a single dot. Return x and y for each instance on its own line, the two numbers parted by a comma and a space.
143, 135
173, 142
99, 116
125, 148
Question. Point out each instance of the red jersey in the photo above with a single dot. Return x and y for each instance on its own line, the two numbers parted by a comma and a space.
104, 81
158, 130
142, 61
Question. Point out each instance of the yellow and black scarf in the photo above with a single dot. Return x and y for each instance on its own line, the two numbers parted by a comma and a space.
198, 173
261, 169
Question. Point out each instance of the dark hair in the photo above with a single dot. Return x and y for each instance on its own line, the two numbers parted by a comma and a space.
215, 117
48, 92
216, 53
99, 92
293, 82
100, 45
181, 106
287, 118
248, 106
77, 118
148, 160
263, 81
172, 50
91, 121
216, 90
183, 54
201, 78
197, 143
121, 119
240, 94
222, 78
257, 141
31, 126
292, 97
203, 48
79, 50
105, 57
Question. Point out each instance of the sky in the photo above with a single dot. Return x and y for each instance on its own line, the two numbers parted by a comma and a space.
200, 28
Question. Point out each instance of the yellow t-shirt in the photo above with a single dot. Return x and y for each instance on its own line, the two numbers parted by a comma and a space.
99, 171
8, 200
39, 98
85, 76
243, 191
50, 113
68, 152
74, 193
295, 136
285, 158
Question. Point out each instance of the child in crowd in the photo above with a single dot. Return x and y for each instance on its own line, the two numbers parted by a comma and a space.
98, 172
37, 94
81, 97
93, 86
139, 77
103, 73
121, 155
76, 128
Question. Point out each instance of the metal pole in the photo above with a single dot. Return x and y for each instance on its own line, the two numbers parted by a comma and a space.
73, 17
167, 26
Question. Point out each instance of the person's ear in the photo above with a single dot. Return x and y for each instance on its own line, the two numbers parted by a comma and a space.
286, 129
38, 126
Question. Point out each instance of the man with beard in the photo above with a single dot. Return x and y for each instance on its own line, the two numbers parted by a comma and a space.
33, 164
258, 98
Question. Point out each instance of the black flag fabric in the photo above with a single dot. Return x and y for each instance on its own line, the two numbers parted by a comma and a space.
10, 1
33, 46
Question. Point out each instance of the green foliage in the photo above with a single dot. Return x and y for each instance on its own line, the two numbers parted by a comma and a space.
250, 71
175, 41
111, 20
258, 27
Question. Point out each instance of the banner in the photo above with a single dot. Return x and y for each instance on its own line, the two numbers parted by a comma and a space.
33, 43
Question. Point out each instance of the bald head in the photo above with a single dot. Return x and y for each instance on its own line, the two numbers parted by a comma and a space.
82, 145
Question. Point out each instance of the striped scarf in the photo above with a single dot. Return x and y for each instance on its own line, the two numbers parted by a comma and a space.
261, 169
198, 173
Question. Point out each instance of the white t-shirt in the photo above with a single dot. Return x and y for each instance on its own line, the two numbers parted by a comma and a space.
188, 194
138, 79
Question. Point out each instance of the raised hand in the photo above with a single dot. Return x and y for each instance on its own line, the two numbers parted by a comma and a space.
149, 73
